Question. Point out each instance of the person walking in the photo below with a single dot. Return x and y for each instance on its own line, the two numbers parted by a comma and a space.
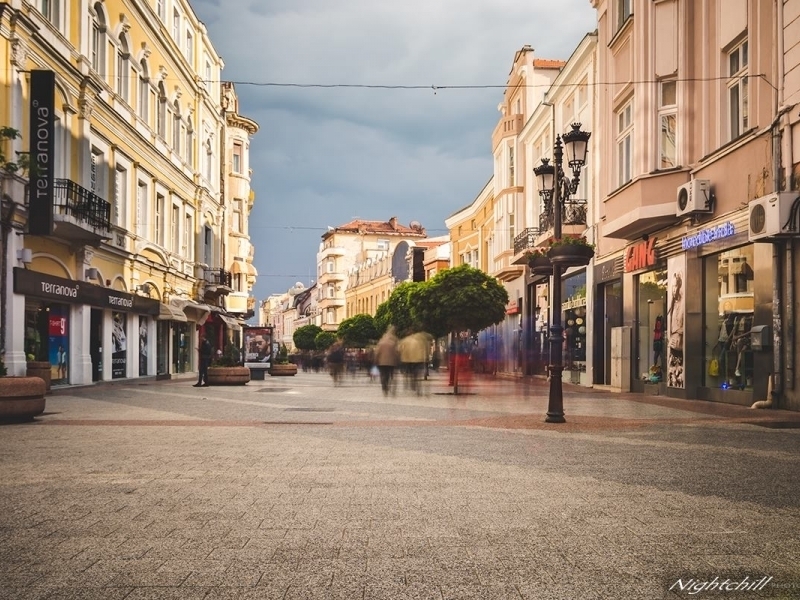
206, 351
413, 355
386, 357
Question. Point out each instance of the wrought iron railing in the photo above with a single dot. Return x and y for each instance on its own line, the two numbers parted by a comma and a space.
525, 240
217, 277
573, 212
81, 204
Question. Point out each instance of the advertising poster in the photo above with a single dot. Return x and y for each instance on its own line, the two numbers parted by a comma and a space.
142, 346
257, 344
119, 346
676, 314
58, 343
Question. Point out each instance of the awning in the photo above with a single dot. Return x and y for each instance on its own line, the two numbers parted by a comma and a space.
192, 310
170, 313
232, 323
240, 266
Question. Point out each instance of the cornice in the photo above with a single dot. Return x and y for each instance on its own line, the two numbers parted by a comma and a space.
236, 120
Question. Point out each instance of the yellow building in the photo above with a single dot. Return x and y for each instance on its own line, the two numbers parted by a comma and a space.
119, 104
472, 231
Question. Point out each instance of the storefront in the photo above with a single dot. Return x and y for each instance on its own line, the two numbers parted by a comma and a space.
573, 318
607, 314
69, 323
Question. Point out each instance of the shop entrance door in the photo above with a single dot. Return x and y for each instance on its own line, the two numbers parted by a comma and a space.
96, 344
608, 314
162, 348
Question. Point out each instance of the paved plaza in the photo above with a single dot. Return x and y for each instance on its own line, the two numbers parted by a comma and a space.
292, 488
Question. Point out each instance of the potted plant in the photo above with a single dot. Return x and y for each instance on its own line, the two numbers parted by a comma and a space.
228, 368
570, 251
21, 398
281, 365
38, 367
538, 262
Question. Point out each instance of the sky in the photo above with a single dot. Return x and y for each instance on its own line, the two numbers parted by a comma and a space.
324, 156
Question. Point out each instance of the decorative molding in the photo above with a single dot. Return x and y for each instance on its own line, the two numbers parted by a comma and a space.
19, 53
85, 106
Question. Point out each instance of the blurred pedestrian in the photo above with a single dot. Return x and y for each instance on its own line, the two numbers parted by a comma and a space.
206, 352
336, 360
413, 355
387, 358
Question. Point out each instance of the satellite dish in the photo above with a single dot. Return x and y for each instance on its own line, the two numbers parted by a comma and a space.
415, 225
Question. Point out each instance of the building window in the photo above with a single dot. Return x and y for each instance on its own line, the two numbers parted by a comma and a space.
209, 159
208, 71
98, 44
141, 209
176, 229
329, 266
161, 125
51, 9
95, 172
737, 90
511, 231
120, 196
511, 174
383, 244
208, 240
624, 143
331, 291
668, 119
188, 229
238, 225
144, 92
160, 207
189, 47
176, 27
237, 282
623, 12
161, 9
176, 128
237, 157
190, 146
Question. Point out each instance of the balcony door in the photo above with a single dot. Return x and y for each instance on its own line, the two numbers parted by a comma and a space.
208, 246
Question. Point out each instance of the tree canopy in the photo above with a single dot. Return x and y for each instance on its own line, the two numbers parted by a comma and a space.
358, 331
305, 337
397, 310
459, 299
324, 340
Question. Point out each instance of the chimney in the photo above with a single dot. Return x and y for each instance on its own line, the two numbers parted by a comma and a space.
393, 222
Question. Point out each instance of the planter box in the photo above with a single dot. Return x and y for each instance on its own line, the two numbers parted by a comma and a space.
540, 265
41, 369
570, 255
283, 370
21, 398
228, 375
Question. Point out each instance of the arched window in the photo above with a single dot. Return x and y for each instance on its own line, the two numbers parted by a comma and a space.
209, 157
176, 127
190, 144
144, 91
161, 125
98, 44
123, 67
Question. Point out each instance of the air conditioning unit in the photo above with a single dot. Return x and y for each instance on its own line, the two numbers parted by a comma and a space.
694, 197
773, 215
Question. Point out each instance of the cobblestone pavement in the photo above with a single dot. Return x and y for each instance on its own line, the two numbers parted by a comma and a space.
292, 488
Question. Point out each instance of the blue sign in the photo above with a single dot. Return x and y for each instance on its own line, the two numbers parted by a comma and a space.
708, 235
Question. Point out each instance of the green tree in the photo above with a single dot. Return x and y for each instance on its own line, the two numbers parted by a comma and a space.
459, 299
381, 318
397, 310
305, 337
358, 331
324, 340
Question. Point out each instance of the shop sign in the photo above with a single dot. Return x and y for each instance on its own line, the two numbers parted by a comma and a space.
608, 270
705, 236
42, 132
512, 308
59, 289
640, 256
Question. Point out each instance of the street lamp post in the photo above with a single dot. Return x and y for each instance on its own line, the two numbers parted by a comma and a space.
555, 188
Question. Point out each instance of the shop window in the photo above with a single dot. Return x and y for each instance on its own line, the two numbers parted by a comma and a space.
573, 293
651, 319
729, 305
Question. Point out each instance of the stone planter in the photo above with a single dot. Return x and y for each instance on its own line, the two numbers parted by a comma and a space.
540, 265
41, 369
570, 255
228, 375
21, 398
287, 369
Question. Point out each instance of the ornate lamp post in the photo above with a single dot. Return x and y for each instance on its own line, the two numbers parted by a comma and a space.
555, 189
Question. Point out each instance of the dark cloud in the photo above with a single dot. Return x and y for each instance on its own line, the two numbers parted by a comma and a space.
324, 156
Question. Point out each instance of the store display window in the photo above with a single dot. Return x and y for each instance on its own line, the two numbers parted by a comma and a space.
574, 320
729, 306
652, 321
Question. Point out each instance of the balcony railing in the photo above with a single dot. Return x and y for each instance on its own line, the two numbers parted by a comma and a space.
573, 212
84, 206
525, 240
218, 277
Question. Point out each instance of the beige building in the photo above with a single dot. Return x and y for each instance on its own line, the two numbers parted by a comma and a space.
129, 261
357, 243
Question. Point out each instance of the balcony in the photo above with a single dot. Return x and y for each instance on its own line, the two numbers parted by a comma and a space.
217, 282
80, 216
507, 127
330, 251
643, 206
523, 242
573, 220
330, 278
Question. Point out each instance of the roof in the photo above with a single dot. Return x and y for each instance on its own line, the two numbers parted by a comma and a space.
430, 243
546, 63
390, 227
